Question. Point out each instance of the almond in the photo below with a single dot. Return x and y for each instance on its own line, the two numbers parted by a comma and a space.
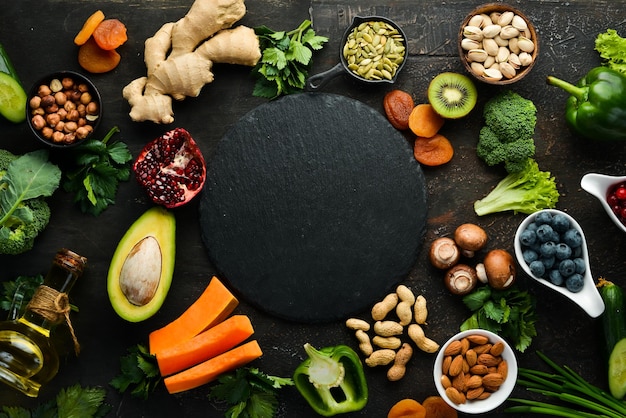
452, 349
445, 365
483, 348
497, 349
456, 366
459, 382
484, 395
474, 393
474, 381
503, 368
479, 369
465, 345
445, 381
455, 396
471, 357
493, 380
488, 360
478, 339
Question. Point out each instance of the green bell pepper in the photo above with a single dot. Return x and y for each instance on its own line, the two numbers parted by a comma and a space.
332, 380
596, 108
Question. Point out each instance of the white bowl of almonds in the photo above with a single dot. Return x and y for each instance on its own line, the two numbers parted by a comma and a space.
498, 44
475, 371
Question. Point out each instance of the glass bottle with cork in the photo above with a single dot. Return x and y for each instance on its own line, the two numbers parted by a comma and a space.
28, 358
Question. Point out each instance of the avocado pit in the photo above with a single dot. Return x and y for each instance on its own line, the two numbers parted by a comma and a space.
141, 272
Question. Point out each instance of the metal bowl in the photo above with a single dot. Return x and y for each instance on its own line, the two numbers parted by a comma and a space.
71, 123
317, 81
493, 11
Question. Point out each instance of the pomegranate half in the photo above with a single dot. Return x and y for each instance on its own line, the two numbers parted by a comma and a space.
171, 168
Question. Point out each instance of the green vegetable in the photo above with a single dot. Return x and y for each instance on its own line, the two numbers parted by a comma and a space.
614, 329
507, 136
596, 108
612, 49
98, 168
17, 293
509, 313
332, 380
73, 401
527, 191
286, 58
139, 372
249, 393
12, 95
566, 386
24, 181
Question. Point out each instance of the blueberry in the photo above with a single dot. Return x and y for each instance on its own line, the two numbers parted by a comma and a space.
548, 262
537, 268
567, 268
544, 232
577, 251
528, 237
554, 236
548, 249
532, 226
573, 238
543, 217
580, 265
574, 283
530, 256
563, 251
555, 277
560, 223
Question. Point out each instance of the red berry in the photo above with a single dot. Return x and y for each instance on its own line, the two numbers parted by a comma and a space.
620, 193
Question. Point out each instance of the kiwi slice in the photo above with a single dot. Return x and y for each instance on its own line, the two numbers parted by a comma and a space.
452, 95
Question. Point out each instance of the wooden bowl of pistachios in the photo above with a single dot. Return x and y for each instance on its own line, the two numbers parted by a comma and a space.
498, 44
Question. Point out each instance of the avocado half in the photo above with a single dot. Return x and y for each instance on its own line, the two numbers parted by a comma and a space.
141, 270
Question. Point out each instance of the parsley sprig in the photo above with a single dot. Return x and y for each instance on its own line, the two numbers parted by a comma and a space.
286, 59
98, 167
249, 392
139, 372
509, 313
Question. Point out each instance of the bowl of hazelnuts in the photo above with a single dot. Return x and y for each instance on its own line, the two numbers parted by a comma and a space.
64, 108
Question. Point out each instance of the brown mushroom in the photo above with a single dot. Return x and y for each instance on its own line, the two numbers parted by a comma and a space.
461, 279
444, 253
470, 238
499, 268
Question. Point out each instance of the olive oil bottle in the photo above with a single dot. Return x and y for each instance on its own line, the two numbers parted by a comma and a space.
28, 358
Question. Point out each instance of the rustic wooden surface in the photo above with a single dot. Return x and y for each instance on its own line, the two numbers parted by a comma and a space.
38, 36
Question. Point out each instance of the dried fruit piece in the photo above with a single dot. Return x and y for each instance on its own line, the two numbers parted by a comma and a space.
89, 27
398, 105
110, 34
433, 151
96, 60
171, 168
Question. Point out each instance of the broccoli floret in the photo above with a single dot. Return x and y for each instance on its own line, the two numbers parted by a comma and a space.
18, 233
527, 191
507, 137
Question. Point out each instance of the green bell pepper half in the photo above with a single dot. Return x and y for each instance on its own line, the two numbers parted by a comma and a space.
332, 380
596, 108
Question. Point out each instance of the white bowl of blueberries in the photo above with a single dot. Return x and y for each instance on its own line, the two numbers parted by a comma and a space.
550, 247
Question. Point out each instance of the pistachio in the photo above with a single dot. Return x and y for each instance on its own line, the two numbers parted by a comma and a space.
489, 61
513, 47
477, 68
509, 32
468, 44
476, 20
473, 33
506, 18
514, 61
490, 46
503, 54
477, 55
525, 58
507, 70
492, 74
491, 31
501, 41
525, 44
519, 23
486, 20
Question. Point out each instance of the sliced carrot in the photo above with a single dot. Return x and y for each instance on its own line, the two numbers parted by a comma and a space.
211, 369
407, 408
96, 60
210, 343
433, 151
89, 27
212, 307
110, 34
436, 407
424, 121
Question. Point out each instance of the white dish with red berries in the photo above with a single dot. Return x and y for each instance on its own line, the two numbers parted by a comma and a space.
611, 192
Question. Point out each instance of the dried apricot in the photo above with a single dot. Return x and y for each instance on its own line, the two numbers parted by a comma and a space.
110, 34
433, 151
94, 59
424, 121
398, 105
89, 27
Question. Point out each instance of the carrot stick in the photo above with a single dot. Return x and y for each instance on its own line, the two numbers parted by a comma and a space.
212, 307
211, 369
210, 343
89, 27
433, 151
424, 121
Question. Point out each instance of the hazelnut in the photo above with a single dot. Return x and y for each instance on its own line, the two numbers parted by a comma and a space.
38, 122
444, 253
35, 102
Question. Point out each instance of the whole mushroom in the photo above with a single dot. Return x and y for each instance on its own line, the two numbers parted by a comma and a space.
444, 253
470, 238
461, 279
497, 269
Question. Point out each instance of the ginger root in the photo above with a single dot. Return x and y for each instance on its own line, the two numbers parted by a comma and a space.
203, 37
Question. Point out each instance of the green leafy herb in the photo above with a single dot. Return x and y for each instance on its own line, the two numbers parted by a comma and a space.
139, 372
612, 48
249, 392
98, 169
509, 313
286, 59
71, 402
566, 386
17, 293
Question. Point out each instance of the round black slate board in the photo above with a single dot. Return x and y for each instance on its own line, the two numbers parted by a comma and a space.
313, 208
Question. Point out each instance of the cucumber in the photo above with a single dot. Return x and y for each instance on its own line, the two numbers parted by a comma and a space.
614, 328
6, 66
12, 95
